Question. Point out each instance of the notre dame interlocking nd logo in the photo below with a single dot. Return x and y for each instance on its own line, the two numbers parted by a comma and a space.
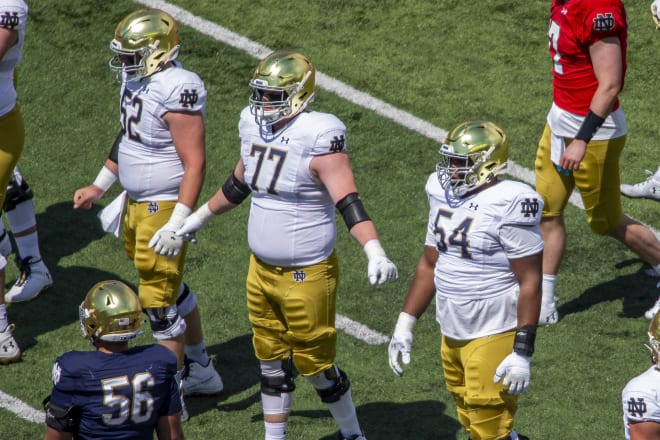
299, 276
529, 207
188, 98
337, 144
636, 407
9, 20
604, 23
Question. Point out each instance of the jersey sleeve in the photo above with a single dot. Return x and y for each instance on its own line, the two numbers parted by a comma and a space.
640, 398
524, 209
331, 138
188, 95
13, 15
604, 19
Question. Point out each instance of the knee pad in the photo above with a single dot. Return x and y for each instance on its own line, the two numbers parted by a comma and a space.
166, 323
276, 377
18, 191
186, 301
330, 384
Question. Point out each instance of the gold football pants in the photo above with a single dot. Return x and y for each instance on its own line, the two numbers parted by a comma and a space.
12, 141
597, 180
485, 409
292, 311
160, 276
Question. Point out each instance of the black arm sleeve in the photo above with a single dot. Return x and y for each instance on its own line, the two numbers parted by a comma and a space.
114, 151
234, 190
352, 210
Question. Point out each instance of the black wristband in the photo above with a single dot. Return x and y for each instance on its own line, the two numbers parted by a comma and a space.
523, 343
589, 127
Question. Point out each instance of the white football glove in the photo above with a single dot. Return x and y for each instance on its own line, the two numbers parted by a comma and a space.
401, 342
164, 241
194, 222
515, 370
380, 269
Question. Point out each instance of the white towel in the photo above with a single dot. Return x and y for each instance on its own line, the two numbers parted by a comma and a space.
557, 147
111, 215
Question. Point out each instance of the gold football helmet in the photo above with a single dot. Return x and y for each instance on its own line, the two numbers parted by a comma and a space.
654, 339
282, 86
145, 41
111, 312
473, 153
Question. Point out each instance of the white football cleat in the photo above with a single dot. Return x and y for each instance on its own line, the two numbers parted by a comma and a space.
648, 189
9, 351
650, 313
549, 314
202, 380
33, 280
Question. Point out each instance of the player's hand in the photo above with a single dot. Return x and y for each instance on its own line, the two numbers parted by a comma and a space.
515, 370
165, 241
84, 197
380, 269
401, 342
194, 222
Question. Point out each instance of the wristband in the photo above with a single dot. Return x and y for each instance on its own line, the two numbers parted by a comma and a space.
589, 127
523, 343
405, 322
204, 213
105, 179
373, 249
179, 215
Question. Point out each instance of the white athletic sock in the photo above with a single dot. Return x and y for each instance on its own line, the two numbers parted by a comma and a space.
275, 431
4, 322
28, 246
198, 353
343, 411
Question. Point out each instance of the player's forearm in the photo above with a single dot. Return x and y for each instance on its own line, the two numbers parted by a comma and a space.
191, 186
422, 288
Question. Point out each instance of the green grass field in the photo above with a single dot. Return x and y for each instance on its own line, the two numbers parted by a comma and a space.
442, 62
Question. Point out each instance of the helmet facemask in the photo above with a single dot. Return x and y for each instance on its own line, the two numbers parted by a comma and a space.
473, 154
282, 86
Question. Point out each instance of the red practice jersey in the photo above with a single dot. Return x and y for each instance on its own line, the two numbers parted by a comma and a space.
574, 26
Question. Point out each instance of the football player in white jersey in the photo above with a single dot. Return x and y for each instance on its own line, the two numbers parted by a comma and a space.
295, 164
641, 395
482, 264
159, 157
13, 19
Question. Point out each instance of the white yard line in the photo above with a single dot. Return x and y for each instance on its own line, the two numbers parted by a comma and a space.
21, 409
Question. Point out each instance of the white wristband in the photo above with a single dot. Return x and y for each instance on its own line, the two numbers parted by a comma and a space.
406, 322
373, 249
105, 179
204, 213
179, 215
